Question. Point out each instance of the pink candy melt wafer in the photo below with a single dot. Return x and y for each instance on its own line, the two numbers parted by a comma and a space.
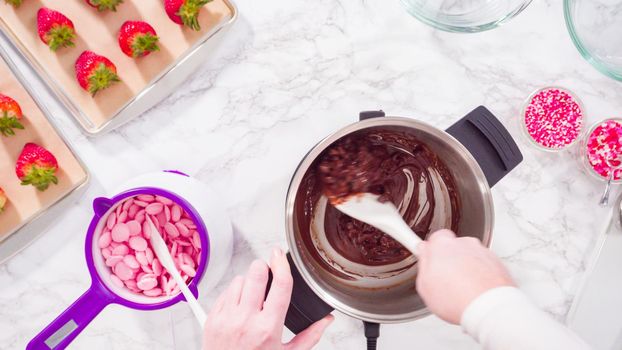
182, 229
123, 271
131, 213
104, 240
188, 270
141, 203
122, 217
112, 219
146, 198
167, 214
120, 232
141, 258
149, 254
116, 280
176, 213
156, 267
138, 243
160, 219
135, 227
155, 292
121, 250
171, 230
140, 216
147, 282
154, 208
131, 261
164, 201
113, 260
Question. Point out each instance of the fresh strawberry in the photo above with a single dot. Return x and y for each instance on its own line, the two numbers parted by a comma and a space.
3, 199
36, 166
10, 115
15, 3
103, 5
55, 29
95, 72
138, 39
185, 12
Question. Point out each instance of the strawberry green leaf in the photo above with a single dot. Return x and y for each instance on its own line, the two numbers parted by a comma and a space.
189, 13
104, 5
15, 3
143, 44
101, 78
7, 124
60, 36
40, 177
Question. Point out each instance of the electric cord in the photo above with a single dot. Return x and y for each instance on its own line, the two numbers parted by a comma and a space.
372, 332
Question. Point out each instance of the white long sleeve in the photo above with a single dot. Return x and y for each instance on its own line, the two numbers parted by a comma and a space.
505, 319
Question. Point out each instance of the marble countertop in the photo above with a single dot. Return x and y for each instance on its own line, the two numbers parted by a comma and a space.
290, 73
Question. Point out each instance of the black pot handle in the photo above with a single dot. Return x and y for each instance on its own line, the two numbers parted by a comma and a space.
371, 114
489, 142
305, 307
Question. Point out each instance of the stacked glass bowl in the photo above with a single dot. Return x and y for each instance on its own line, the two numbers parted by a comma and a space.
467, 16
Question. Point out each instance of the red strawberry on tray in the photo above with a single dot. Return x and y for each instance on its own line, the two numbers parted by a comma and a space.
10, 116
15, 3
36, 166
138, 39
104, 5
55, 29
3, 200
95, 72
185, 12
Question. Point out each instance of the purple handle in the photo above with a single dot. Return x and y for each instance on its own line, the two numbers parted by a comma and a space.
66, 327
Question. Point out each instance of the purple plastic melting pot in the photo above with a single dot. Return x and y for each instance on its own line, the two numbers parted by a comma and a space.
102, 292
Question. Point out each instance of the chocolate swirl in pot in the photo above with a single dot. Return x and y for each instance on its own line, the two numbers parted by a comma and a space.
395, 166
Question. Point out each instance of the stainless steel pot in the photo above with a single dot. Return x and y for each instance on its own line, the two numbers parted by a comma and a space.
478, 152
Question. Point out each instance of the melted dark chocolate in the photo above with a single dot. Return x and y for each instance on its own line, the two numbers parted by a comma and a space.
375, 162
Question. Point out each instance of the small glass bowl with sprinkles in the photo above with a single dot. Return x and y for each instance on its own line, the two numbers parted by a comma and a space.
552, 118
602, 147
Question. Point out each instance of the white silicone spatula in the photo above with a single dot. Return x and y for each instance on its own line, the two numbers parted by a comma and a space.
367, 208
161, 251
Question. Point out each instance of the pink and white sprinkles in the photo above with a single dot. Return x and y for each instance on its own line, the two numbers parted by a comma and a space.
605, 144
125, 246
553, 118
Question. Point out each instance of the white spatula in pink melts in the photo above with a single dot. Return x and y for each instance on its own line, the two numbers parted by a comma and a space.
161, 251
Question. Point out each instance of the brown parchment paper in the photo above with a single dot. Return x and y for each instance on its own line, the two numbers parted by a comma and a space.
98, 32
25, 202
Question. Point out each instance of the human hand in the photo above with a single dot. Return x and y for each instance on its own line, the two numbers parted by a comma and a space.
242, 320
454, 271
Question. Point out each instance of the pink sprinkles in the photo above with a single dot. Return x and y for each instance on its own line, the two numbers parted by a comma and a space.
553, 118
605, 144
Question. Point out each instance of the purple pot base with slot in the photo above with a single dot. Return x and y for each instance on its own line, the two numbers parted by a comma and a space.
68, 325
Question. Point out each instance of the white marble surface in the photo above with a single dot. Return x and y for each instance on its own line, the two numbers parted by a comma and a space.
290, 73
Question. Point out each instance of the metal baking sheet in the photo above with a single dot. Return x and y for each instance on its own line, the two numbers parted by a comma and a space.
29, 211
145, 81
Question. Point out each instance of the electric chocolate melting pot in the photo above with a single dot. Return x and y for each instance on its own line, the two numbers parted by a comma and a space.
437, 179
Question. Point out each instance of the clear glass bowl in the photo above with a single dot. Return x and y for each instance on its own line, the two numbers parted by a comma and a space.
583, 152
596, 30
465, 16
523, 126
